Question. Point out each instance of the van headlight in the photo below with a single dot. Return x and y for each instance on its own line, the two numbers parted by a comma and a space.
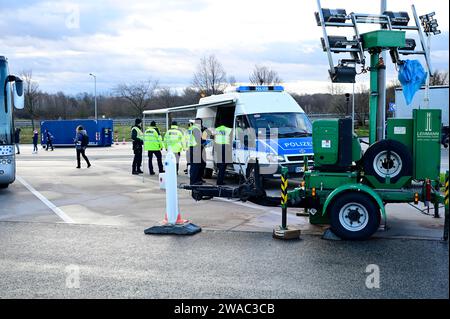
274, 158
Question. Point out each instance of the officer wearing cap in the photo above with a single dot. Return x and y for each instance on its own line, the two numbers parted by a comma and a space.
138, 140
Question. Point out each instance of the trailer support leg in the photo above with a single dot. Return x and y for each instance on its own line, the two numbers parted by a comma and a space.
446, 207
282, 231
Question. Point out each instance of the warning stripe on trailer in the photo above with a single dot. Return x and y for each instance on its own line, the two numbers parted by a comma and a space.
446, 192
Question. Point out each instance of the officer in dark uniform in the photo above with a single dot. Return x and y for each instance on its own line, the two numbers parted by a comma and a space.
137, 136
195, 153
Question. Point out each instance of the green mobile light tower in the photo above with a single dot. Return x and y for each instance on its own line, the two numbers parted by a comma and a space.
348, 188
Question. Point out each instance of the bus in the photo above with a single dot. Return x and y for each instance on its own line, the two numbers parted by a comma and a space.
11, 96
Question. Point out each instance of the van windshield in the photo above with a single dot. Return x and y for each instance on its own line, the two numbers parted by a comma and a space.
287, 124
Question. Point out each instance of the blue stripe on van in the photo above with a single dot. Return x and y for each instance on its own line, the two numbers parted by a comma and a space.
285, 146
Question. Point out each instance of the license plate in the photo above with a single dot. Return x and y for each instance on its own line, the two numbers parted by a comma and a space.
299, 169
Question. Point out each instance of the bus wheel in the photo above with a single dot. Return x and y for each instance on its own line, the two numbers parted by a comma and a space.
354, 216
4, 186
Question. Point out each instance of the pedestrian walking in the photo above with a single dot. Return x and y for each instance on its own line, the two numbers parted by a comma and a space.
153, 144
137, 136
49, 140
35, 141
17, 139
81, 143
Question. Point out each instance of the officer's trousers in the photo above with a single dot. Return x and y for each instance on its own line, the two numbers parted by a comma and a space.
158, 159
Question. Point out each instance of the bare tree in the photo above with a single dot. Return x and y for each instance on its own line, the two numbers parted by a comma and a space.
137, 94
166, 97
263, 75
31, 90
210, 77
232, 80
362, 104
439, 78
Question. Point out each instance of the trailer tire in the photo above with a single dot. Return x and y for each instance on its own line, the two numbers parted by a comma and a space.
388, 157
354, 216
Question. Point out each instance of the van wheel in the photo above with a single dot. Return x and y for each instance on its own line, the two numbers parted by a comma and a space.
354, 216
250, 174
208, 173
387, 158
2, 186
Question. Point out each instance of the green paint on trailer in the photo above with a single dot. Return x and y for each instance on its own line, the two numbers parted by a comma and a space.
355, 188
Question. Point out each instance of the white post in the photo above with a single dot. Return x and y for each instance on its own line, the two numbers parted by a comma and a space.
170, 167
426, 97
95, 98
95, 95
382, 87
353, 108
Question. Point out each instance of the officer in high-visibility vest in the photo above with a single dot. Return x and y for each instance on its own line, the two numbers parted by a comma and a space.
187, 137
173, 141
222, 150
138, 140
153, 144
195, 152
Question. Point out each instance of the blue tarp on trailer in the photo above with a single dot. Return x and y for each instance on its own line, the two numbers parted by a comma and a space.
63, 131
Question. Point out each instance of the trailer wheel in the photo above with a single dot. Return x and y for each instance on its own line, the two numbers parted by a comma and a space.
2, 186
388, 158
354, 216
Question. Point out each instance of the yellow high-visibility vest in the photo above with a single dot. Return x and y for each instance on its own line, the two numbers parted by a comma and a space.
152, 140
174, 139
222, 135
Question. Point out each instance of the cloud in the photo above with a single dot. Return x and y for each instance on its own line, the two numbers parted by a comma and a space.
123, 41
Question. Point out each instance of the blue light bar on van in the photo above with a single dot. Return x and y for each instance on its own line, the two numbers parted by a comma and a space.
260, 88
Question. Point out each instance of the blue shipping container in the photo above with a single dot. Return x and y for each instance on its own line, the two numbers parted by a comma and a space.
63, 131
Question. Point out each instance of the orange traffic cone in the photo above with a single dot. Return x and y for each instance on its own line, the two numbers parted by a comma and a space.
180, 220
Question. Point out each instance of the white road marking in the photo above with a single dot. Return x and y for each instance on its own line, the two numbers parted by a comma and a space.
49, 204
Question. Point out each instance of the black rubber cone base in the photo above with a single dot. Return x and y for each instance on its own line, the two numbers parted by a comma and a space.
169, 229
329, 235
285, 234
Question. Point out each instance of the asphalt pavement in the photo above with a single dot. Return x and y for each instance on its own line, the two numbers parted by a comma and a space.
58, 223
42, 260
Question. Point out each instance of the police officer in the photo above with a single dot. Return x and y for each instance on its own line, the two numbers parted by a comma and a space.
137, 137
195, 152
222, 135
173, 139
153, 144
187, 137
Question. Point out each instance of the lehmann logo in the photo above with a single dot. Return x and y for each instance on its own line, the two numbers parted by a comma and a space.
428, 122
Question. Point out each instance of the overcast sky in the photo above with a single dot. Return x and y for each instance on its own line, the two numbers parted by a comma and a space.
126, 41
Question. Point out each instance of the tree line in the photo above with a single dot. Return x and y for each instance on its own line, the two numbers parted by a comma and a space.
127, 100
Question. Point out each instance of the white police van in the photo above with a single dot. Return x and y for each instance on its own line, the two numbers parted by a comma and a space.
282, 132
267, 125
